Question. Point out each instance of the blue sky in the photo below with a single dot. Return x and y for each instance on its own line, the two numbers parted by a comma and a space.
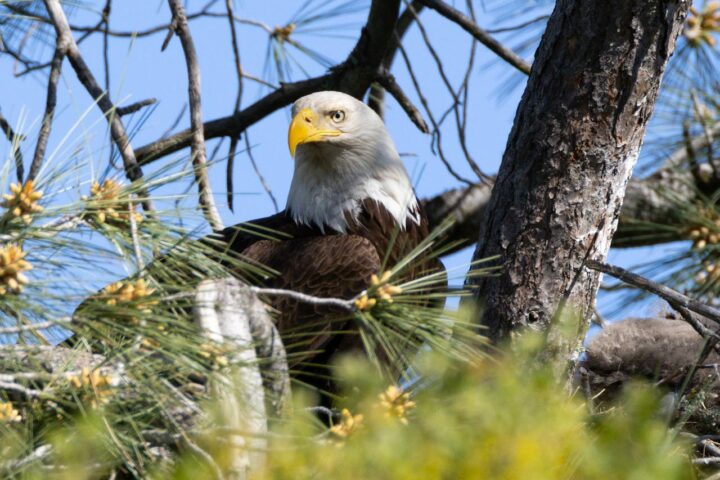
140, 70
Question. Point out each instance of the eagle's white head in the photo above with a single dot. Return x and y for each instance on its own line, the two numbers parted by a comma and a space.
344, 155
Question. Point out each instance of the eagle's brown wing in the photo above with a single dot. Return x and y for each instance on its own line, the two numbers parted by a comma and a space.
338, 266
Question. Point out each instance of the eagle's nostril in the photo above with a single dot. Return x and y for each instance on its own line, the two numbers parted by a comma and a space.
308, 120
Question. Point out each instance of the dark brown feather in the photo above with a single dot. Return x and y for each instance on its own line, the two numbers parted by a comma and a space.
329, 264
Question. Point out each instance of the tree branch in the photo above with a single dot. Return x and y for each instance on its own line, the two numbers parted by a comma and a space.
117, 129
481, 35
238, 97
376, 98
101, 26
353, 76
387, 80
197, 146
666, 293
14, 140
61, 47
134, 107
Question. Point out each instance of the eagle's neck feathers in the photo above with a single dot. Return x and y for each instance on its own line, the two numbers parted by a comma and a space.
329, 193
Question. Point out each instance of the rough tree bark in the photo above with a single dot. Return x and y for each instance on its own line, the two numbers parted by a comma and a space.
575, 140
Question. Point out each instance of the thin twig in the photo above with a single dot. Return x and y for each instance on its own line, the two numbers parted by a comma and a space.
236, 108
666, 293
35, 326
483, 37
117, 129
304, 298
134, 107
464, 91
105, 19
14, 140
455, 96
197, 146
519, 26
352, 76
50, 102
697, 325
376, 97
436, 128
175, 122
135, 239
279, 292
26, 37
103, 28
387, 80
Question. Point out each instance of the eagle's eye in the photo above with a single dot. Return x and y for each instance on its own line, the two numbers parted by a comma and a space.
337, 116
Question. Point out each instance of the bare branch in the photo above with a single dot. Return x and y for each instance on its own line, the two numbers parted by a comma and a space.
35, 326
61, 46
353, 76
519, 26
376, 98
387, 80
238, 98
14, 140
483, 37
694, 322
455, 96
134, 107
103, 28
666, 293
437, 134
199, 161
647, 201
117, 129
233, 125
304, 298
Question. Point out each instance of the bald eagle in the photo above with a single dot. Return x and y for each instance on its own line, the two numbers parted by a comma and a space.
350, 211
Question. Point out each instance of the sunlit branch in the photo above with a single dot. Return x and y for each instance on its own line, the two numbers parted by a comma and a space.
61, 47
197, 146
117, 129
483, 37
353, 76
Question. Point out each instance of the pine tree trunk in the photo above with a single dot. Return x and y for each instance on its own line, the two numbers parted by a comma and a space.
575, 140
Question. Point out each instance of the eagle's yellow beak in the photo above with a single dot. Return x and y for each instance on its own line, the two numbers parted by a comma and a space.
304, 128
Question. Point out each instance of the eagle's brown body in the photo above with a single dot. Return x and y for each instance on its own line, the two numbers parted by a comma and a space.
326, 264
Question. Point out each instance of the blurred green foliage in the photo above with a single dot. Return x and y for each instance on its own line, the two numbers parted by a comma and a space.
494, 421
505, 417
